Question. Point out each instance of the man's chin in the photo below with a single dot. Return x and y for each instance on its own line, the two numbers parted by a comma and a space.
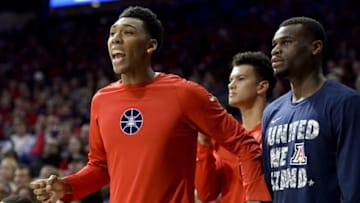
280, 73
118, 70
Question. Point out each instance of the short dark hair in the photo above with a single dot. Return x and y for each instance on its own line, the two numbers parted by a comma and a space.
262, 67
315, 28
152, 24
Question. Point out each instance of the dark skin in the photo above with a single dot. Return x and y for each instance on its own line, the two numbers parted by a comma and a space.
297, 56
130, 49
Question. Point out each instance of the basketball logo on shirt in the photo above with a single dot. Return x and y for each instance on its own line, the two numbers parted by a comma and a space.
131, 121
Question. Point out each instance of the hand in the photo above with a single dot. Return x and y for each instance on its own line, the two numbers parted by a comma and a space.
50, 190
203, 139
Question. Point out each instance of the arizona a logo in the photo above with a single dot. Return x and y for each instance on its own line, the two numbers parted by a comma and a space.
299, 158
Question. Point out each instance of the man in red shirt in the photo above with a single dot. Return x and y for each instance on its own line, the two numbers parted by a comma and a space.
218, 171
143, 128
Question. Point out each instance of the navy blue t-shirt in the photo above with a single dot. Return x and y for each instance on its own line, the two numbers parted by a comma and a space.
311, 149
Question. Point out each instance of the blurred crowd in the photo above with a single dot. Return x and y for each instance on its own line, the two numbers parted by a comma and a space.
51, 67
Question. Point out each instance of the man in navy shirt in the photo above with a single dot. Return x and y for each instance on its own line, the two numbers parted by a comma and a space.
311, 135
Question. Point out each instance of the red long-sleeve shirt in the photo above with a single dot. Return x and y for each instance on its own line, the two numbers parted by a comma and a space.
218, 172
143, 141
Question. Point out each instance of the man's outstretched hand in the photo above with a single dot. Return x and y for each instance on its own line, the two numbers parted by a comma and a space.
50, 190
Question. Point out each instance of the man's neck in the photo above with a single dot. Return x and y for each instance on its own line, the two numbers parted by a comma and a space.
304, 88
252, 116
137, 78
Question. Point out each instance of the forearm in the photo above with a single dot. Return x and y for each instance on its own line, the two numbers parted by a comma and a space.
67, 190
253, 179
207, 181
88, 180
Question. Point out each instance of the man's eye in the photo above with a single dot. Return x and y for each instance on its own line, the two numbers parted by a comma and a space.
287, 42
128, 32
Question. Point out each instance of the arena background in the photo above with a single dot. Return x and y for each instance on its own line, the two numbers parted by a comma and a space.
53, 60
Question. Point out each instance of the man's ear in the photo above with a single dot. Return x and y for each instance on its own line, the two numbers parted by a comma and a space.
317, 47
262, 87
152, 46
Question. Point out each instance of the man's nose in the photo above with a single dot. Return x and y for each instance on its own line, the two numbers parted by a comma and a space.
117, 39
275, 50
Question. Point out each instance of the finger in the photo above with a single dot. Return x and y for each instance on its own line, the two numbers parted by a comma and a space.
37, 184
50, 181
53, 197
41, 192
44, 197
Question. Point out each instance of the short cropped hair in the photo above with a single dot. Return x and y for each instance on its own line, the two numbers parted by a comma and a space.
152, 24
314, 27
262, 67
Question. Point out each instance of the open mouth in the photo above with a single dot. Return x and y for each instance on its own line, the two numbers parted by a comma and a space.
117, 57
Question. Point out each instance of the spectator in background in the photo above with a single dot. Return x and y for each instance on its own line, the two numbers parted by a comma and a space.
47, 170
16, 199
5, 115
5, 189
75, 148
84, 136
50, 155
27, 192
46, 127
8, 167
21, 141
23, 176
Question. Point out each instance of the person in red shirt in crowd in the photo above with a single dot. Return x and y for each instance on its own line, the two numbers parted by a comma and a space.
143, 127
218, 172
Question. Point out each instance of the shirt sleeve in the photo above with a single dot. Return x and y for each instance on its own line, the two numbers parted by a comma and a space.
95, 174
204, 112
347, 122
265, 150
253, 184
207, 177
39, 143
